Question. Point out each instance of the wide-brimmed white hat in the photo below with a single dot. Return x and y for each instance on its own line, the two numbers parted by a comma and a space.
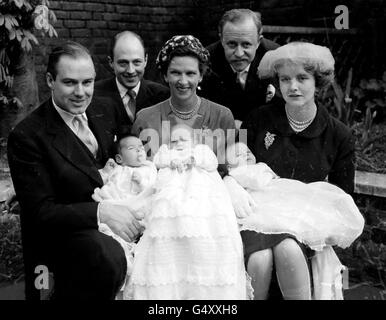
296, 52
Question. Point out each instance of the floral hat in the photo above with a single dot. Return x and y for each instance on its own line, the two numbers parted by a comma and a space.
296, 52
182, 41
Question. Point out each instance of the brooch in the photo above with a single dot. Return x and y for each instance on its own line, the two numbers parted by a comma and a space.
269, 139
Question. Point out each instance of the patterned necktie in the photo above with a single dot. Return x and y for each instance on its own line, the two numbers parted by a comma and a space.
84, 133
129, 102
241, 78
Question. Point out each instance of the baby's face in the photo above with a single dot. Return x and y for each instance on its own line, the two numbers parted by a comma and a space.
131, 152
239, 155
181, 139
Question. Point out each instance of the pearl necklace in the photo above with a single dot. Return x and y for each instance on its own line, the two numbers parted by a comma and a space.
299, 126
185, 115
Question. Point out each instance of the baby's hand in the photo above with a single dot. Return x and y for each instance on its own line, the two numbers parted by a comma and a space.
136, 177
177, 164
190, 163
110, 165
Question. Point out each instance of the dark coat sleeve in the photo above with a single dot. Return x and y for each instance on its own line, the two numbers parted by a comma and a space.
332, 151
250, 124
342, 172
33, 177
151, 93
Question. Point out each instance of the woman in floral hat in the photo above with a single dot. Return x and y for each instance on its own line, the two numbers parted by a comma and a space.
191, 247
183, 62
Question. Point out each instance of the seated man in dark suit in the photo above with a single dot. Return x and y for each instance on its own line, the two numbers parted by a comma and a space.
128, 92
232, 79
54, 156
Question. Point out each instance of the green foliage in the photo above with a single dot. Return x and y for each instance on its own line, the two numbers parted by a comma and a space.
11, 255
363, 109
20, 20
365, 102
366, 257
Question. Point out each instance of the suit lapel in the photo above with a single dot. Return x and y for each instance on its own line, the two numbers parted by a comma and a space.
66, 143
117, 97
98, 127
114, 89
224, 68
142, 95
253, 81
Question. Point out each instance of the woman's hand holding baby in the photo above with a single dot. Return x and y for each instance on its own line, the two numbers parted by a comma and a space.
241, 199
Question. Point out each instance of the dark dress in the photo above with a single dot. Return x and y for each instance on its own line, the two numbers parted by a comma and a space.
323, 151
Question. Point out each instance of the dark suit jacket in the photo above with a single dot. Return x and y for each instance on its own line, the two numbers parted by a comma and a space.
323, 150
219, 84
54, 174
150, 93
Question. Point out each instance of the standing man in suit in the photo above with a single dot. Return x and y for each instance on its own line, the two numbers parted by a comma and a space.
232, 80
54, 156
128, 92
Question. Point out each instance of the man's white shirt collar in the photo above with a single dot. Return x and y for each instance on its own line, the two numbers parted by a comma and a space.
246, 70
67, 116
123, 90
242, 76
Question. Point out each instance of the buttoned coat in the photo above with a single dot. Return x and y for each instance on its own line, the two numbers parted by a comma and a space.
323, 151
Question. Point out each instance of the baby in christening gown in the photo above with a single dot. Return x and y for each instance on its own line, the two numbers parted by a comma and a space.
317, 214
191, 247
128, 181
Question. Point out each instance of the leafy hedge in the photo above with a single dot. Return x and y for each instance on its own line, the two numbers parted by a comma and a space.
11, 258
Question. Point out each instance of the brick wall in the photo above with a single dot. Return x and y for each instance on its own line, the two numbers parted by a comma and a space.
93, 23
366, 16
311, 13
